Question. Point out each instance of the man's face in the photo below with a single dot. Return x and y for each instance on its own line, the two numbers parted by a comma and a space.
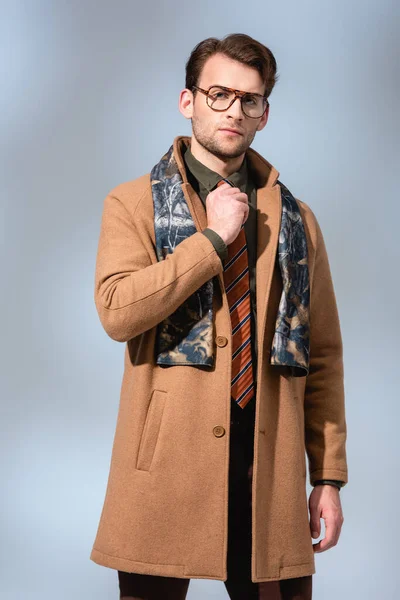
207, 124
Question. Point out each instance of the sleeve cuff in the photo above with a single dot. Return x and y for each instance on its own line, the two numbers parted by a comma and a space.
217, 241
328, 475
334, 482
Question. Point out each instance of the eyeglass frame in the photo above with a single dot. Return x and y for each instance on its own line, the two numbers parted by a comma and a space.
238, 94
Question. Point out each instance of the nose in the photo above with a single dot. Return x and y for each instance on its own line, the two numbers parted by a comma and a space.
235, 110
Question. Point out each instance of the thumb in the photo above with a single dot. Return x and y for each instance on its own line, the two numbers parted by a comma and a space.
315, 526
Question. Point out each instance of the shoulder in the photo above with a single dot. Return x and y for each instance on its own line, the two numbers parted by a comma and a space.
311, 224
132, 193
310, 221
306, 212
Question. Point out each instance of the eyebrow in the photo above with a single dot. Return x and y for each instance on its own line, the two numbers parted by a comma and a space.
227, 88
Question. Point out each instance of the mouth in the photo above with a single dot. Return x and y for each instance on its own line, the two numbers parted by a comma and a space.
230, 131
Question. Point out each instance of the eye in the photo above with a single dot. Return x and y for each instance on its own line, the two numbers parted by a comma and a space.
252, 100
219, 94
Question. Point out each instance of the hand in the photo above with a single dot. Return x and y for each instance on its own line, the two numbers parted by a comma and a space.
227, 209
325, 503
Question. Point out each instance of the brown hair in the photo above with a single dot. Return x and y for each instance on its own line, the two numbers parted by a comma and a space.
237, 46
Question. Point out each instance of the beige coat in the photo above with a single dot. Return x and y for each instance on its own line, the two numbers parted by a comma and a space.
166, 505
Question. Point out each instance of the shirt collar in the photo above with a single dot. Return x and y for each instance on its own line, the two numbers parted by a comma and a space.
209, 178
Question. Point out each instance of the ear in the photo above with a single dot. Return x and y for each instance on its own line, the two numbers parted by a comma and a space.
185, 103
264, 120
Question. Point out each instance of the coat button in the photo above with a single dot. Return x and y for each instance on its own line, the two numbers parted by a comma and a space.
221, 341
218, 431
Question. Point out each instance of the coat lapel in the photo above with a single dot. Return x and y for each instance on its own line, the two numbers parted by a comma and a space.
268, 224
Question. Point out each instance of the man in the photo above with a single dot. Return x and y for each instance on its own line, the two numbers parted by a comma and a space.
218, 280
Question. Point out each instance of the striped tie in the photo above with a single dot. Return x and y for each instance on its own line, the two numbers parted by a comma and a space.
236, 279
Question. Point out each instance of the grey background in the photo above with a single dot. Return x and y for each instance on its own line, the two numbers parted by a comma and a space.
74, 123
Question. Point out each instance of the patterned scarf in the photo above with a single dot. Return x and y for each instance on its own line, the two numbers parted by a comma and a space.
186, 336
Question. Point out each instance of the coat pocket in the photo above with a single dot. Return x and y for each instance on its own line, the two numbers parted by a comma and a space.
151, 429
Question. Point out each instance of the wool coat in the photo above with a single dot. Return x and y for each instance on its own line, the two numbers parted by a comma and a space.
165, 509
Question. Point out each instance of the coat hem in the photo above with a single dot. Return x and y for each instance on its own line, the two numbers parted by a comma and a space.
289, 572
174, 570
145, 568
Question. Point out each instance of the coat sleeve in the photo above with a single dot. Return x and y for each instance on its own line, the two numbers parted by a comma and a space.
132, 293
324, 406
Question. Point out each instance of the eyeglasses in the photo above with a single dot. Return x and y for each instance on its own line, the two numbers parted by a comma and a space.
220, 98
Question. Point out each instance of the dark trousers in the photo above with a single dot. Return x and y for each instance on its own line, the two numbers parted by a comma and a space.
238, 584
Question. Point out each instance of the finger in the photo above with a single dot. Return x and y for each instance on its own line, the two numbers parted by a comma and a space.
315, 521
228, 189
242, 197
225, 185
332, 530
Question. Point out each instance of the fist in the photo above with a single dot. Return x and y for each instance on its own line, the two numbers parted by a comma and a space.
227, 209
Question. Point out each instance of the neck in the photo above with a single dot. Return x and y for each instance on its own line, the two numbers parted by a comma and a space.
222, 167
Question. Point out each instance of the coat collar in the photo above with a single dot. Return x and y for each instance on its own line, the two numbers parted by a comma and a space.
269, 207
208, 179
263, 171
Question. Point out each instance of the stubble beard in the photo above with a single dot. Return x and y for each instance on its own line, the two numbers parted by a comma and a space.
217, 147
